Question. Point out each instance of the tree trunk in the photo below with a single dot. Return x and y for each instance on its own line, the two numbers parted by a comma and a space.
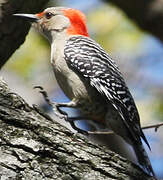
33, 146
12, 31
36, 147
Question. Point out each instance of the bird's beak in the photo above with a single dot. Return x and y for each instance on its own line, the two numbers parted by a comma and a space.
29, 17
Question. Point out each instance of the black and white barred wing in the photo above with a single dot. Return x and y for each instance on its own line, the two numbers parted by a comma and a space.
92, 62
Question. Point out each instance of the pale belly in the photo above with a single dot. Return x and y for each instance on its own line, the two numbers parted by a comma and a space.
90, 102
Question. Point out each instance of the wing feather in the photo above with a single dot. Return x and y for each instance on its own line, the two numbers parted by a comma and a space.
92, 62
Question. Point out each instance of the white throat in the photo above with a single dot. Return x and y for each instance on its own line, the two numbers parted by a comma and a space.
57, 45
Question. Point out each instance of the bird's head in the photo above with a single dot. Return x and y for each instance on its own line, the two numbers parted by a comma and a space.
58, 20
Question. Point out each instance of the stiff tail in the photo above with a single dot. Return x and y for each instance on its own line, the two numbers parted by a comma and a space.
143, 158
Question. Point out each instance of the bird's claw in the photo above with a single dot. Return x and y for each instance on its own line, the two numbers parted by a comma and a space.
44, 94
58, 112
61, 114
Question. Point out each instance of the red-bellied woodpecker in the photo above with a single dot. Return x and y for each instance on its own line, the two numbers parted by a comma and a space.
90, 77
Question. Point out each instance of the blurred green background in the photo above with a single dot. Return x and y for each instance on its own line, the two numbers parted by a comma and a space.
138, 54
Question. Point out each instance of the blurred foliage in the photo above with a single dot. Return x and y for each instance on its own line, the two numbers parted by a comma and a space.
113, 29
107, 24
110, 27
29, 56
159, 109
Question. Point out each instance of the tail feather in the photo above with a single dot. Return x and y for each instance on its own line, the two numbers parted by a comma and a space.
143, 158
145, 140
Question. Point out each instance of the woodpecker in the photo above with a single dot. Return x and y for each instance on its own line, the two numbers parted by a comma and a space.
90, 77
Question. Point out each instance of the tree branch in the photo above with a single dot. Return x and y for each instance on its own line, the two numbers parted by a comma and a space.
13, 32
37, 147
147, 14
156, 126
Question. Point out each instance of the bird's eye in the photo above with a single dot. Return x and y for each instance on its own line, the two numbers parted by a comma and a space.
48, 15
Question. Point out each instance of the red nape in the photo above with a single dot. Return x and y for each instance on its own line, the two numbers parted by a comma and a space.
78, 22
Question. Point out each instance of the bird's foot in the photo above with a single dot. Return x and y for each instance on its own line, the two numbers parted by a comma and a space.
72, 120
59, 113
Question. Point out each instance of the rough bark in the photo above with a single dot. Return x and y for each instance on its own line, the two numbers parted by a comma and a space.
147, 14
36, 147
12, 31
